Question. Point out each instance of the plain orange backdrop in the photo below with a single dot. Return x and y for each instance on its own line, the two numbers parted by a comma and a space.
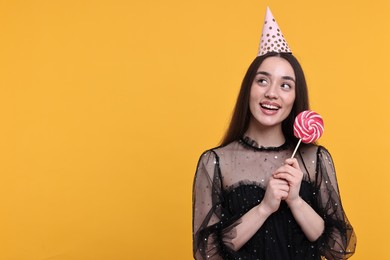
105, 107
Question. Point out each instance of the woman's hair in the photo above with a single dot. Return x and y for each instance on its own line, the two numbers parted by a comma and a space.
241, 114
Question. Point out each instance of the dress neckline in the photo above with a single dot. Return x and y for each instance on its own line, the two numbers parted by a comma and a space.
250, 143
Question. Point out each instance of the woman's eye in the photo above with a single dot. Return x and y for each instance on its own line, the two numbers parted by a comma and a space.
262, 81
286, 86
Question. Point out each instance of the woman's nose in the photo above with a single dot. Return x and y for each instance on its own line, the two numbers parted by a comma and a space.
271, 92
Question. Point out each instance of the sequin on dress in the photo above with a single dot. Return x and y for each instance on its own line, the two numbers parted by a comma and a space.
232, 179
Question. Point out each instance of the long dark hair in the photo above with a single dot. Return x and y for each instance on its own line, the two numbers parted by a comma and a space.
241, 113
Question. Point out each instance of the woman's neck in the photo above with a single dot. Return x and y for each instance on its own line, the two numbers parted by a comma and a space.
266, 136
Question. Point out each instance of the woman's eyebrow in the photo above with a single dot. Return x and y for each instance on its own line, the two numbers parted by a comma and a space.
264, 73
288, 78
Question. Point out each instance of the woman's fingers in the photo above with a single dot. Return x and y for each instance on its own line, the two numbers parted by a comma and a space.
278, 187
292, 174
292, 162
284, 176
290, 171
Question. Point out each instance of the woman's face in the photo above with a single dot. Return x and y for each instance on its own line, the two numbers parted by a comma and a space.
272, 93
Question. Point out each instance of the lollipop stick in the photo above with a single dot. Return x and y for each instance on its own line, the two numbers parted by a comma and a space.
296, 148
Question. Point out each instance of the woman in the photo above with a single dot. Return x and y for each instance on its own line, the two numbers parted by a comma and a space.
251, 200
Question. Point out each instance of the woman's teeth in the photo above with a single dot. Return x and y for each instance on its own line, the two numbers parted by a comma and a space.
269, 107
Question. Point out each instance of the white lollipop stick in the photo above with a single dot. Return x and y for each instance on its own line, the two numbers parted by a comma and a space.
296, 148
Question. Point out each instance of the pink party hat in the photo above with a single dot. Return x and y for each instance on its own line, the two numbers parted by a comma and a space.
272, 39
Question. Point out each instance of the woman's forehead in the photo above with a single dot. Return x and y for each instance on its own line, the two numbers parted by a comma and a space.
276, 66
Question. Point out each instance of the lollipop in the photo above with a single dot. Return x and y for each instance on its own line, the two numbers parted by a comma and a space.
308, 127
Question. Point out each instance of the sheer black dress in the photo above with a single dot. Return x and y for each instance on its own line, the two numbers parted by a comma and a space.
232, 179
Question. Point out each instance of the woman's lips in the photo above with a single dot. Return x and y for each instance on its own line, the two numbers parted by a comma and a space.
269, 108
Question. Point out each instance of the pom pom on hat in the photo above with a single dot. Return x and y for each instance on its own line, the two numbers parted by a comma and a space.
272, 39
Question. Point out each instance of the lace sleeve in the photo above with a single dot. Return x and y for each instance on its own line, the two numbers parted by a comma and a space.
209, 233
338, 240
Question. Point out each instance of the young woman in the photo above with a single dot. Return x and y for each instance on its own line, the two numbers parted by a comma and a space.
250, 199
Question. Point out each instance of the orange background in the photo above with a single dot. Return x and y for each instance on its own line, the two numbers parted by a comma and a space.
105, 107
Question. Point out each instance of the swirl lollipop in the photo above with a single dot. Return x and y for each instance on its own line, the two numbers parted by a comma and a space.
308, 127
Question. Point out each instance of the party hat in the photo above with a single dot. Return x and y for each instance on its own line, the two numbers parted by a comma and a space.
272, 39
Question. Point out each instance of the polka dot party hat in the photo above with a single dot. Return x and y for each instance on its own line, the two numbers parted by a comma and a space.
272, 39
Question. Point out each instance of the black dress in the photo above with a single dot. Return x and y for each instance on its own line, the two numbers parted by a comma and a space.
232, 179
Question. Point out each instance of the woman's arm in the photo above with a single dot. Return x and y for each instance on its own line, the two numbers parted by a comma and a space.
276, 191
338, 240
310, 222
210, 236
206, 212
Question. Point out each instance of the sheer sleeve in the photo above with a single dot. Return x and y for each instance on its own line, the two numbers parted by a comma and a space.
338, 240
210, 235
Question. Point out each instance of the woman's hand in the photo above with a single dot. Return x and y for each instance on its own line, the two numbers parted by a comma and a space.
292, 174
277, 190
309, 220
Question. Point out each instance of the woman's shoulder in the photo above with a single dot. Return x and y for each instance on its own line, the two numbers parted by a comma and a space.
313, 155
221, 149
313, 149
217, 152
313, 152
